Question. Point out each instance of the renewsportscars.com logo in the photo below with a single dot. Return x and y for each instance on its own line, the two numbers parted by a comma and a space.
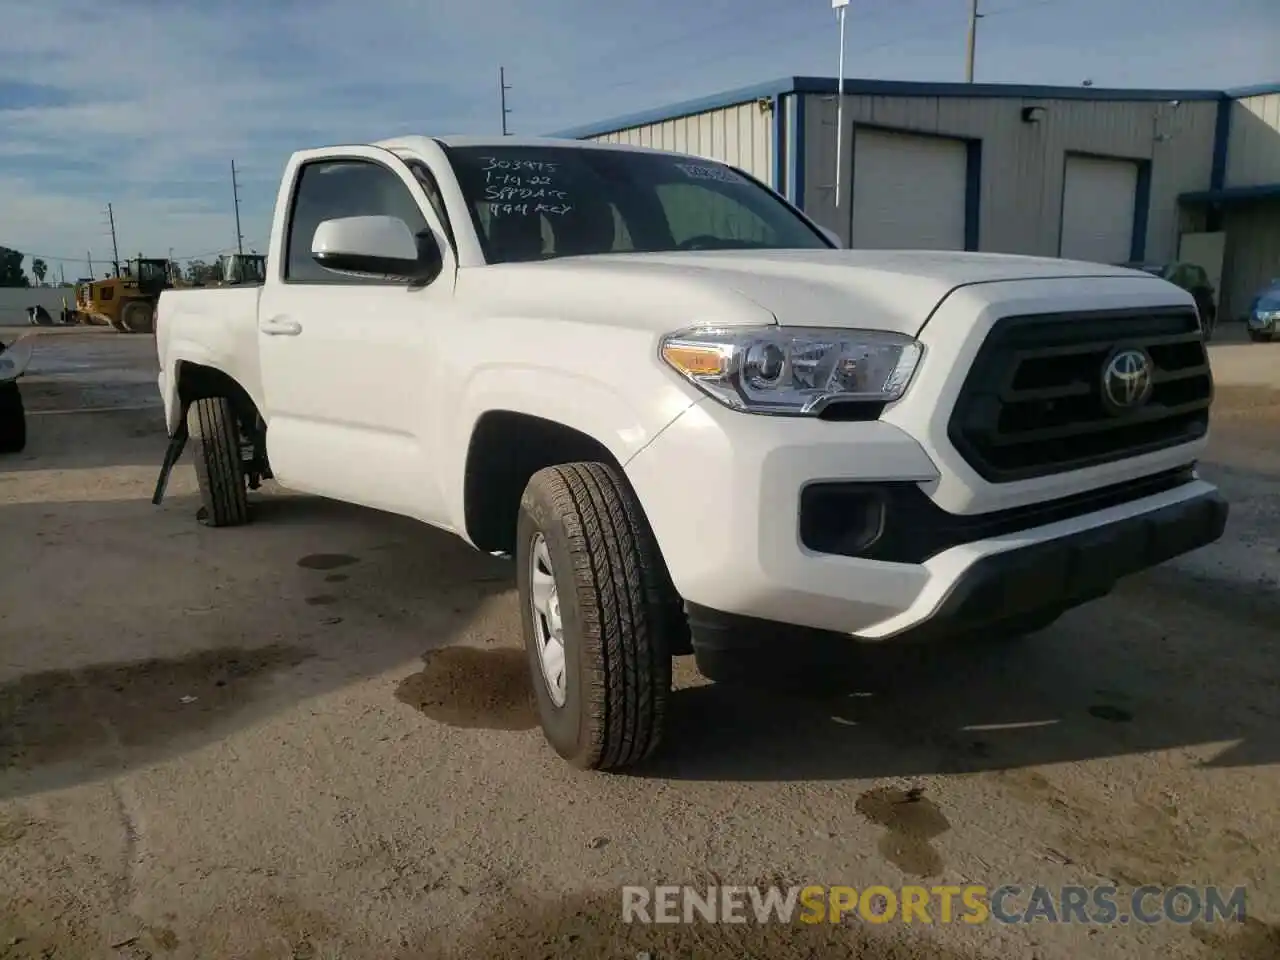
971, 904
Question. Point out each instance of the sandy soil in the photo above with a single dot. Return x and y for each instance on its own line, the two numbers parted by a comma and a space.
312, 737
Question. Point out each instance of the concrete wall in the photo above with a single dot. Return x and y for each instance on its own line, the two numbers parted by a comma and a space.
1022, 163
15, 300
741, 134
1253, 148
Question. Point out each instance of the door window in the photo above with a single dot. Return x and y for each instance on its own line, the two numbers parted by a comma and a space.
329, 189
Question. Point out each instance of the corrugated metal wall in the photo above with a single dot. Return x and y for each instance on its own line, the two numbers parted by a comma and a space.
1252, 256
1023, 163
1253, 149
1253, 229
741, 135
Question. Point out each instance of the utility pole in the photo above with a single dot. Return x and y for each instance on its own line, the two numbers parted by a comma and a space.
235, 196
840, 7
502, 94
62, 272
115, 251
974, 17
88, 255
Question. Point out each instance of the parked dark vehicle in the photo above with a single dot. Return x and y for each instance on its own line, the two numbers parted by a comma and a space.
1263, 321
1194, 280
13, 417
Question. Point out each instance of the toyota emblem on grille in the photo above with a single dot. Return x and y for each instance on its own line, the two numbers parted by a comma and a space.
1126, 380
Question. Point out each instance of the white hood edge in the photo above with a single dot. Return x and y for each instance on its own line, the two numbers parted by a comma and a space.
852, 289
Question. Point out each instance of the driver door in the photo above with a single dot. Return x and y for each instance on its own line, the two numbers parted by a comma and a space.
346, 368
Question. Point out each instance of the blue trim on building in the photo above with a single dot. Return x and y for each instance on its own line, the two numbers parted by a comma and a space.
1141, 212
973, 196
796, 149
779, 145
912, 88
769, 90
1221, 138
1258, 191
1257, 90
783, 86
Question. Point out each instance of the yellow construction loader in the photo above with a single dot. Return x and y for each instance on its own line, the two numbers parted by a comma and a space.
126, 301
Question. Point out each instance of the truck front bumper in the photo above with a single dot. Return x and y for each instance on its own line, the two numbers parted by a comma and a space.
725, 507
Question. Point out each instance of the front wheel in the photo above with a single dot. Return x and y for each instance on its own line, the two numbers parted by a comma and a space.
600, 615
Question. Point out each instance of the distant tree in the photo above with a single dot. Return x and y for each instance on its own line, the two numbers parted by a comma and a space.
39, 268
200, 272
11, 274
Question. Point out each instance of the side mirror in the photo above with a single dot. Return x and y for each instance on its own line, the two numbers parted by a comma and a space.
831, 235
15, 357
381, 247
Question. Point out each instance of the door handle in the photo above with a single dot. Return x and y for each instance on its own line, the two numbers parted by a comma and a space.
280, 327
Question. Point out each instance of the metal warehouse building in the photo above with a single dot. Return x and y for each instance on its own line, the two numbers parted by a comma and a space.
1078, 172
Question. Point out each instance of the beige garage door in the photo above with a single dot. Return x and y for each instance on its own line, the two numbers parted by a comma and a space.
1098, 197
908, 191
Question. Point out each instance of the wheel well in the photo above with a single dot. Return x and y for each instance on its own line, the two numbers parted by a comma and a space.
196, 381
507, 449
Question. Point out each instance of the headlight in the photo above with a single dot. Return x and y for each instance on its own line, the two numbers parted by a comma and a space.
792, 370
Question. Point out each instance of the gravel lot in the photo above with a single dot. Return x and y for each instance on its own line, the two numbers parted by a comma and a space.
311, 737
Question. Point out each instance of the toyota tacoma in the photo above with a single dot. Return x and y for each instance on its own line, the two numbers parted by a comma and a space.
690, 418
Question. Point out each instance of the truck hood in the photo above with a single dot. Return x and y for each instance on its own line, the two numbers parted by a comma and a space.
869, 289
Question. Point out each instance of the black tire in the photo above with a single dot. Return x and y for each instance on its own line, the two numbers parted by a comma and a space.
1258, 336
13, 419
215, 439
620, 613
137, 316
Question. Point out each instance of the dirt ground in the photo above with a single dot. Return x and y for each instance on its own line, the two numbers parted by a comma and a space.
312, 737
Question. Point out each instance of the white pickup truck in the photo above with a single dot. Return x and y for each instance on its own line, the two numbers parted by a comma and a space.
687, 414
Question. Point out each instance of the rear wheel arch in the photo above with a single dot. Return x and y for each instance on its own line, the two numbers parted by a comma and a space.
196, 381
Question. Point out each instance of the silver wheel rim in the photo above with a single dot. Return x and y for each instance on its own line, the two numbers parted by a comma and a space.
548, 627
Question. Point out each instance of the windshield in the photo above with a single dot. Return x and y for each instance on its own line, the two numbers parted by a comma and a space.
152, 271
244, 269
538, 203
1268, 300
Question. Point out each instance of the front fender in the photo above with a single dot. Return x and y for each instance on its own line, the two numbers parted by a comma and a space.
622, 416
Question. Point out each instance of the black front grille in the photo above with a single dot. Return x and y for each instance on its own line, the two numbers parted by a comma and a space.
1033, 402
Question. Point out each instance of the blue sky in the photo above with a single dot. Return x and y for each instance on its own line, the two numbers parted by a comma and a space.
152, 126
